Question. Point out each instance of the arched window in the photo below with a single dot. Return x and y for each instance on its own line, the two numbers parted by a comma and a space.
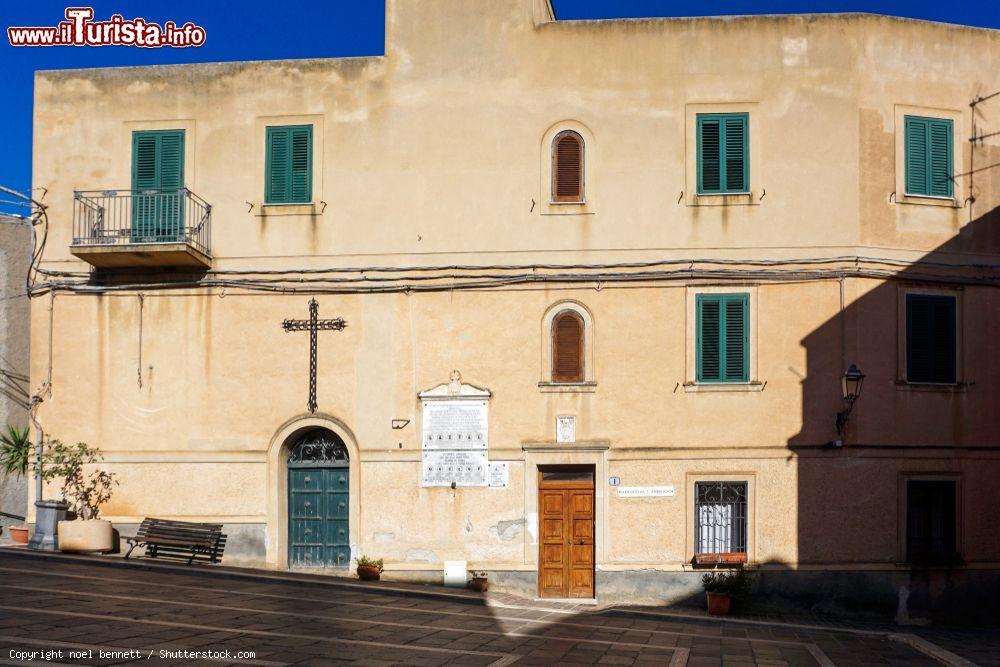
567, 347
567, 167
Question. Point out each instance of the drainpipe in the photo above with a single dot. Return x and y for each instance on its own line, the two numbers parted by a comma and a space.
38, 454
48, 513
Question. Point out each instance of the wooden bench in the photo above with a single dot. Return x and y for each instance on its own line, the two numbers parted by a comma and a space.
179, 539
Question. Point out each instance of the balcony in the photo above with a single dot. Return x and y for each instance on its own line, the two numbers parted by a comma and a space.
118, 229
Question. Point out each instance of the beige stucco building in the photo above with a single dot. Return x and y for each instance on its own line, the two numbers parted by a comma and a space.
745, 208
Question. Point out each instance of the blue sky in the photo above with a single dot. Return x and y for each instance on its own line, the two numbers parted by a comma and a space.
305, 29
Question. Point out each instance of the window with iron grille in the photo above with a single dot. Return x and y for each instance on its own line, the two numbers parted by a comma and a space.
720, 512
931, 520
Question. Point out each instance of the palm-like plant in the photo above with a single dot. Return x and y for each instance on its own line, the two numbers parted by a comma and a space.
15, 450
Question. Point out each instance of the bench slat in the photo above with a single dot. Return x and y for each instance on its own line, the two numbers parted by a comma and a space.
180, 539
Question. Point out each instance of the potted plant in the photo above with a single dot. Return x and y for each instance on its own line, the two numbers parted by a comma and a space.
85, 494
15, 453
724, 586
480, 581
369, 569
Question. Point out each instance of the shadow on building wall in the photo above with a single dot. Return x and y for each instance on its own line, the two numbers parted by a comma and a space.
851, 507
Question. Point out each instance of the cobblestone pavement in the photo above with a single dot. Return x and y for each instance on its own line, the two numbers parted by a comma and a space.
94, 614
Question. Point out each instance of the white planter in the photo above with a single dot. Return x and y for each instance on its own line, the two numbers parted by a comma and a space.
93, 535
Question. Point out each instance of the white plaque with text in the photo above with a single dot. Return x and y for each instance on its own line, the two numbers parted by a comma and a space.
463, 467
455, 424
646, 491
498, 474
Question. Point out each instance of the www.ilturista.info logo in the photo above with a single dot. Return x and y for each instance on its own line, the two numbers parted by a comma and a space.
79, 29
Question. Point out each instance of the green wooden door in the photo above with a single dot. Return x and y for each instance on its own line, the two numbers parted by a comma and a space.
318, 512
157, 186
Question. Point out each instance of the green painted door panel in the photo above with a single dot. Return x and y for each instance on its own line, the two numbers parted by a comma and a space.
319, 509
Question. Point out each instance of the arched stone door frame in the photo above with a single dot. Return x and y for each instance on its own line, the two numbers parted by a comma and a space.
277, 483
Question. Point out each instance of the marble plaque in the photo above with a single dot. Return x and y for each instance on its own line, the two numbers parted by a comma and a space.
566, 428
498, 474
455, 424
463, 467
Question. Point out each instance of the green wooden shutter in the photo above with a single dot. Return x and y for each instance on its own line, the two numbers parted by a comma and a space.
736, 153
301, 164
288, 165
736, 326
723, 153
931, 354
928, 156
722, 322
709, 341
709, 155
939, 151
157, 184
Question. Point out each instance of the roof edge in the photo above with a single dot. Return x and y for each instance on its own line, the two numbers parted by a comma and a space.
210, 63
801, 15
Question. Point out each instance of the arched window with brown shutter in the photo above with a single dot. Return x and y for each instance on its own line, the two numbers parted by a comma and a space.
567, 347
567, 167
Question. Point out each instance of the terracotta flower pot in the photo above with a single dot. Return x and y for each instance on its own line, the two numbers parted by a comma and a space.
93, 535
18, 534
369, 572
479, 584
719, 604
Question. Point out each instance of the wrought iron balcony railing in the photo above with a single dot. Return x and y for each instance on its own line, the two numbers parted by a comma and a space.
129, 217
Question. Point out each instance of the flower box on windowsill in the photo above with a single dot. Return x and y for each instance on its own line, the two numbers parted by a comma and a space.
732, 558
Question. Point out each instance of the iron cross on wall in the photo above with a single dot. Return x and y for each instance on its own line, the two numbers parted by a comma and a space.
312, 325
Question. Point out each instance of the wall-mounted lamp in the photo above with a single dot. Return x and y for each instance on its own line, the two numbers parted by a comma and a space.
398, 424
851, 386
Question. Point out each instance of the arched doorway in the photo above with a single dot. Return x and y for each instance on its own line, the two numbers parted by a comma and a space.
318, 500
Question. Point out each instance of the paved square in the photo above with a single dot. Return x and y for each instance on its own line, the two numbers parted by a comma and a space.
100, 615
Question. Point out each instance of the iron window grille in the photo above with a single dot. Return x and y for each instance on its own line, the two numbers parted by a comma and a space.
318, 448
720, 518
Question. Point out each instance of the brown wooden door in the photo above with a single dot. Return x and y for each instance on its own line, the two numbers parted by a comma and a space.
566, 544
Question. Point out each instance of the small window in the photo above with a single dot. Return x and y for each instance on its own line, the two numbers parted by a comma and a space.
723, 153
567, 348
288, 168
931, 521
931, 336
567, 168
567, 474
720, 513
723, 337
928, 147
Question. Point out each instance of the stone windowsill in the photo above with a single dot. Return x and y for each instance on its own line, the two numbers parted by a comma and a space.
275, 210
706, 387
567, 387
933, 388
728, 199
927, 200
